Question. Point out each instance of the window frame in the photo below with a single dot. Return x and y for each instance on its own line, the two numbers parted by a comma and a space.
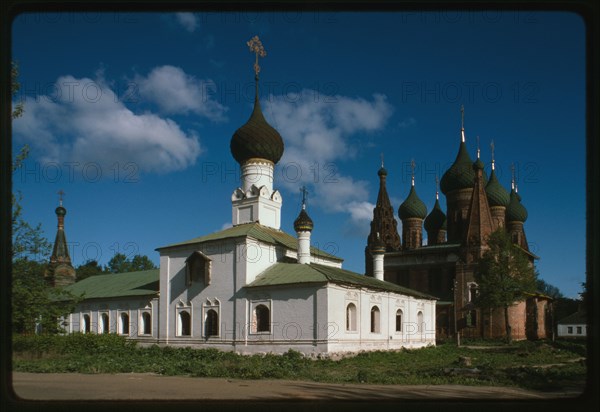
143, 323
268, 304
86, 325
120, 323
399, 315
180, 325
190, 269
101, 325
351, 317
375, 319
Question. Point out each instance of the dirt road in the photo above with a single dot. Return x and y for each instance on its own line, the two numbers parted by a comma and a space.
139, 386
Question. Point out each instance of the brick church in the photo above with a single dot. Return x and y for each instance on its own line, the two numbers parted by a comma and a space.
445, 266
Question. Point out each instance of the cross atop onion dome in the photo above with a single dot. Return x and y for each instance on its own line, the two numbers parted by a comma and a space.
256, 139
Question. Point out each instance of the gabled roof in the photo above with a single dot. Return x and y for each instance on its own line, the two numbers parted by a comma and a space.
259, 232
144, 283
577, 318
294, 273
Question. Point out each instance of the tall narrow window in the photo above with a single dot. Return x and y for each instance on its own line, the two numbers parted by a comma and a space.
86, 324
211, 325
146, 324
420, 328
184, 323
263, 318
399, 320
374, 319
124, 324
351, 317
104, 323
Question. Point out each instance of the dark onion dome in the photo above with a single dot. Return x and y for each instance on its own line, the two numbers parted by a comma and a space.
256, 139
461, 174
382, 172
478, 164
515, 211
303, 222
412, 207
60, 211
496, 193
436, 220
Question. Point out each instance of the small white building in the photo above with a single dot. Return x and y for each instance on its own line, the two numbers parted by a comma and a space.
573, 326
254, 288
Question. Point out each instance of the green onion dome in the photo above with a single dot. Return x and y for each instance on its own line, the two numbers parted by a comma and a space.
461, 175
412, 207
256, 139
478, 165
60, 211
382, 172
303, 222
436, 220
496, 194
515, 211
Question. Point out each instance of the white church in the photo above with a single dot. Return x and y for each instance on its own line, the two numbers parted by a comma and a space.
254, 288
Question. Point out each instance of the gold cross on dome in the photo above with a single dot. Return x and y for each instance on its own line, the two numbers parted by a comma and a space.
256, 47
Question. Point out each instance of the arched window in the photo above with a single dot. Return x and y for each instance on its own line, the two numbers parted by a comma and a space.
472, 291
351, 317
399, 320
211, 325
374, 319
184, 324
263, 318
146, 324
86, 324
104, 323
420, 328
124, 324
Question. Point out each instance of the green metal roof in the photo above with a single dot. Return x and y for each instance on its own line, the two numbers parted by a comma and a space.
258, 232
294, 273
142, 283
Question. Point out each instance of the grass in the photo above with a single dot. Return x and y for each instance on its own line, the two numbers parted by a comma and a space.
523, 364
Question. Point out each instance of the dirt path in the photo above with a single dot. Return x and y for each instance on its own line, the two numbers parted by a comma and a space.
139, 386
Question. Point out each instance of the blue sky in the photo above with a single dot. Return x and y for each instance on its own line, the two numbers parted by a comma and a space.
131, 115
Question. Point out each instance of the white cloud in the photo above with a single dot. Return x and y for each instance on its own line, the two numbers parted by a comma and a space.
189, 21
84, 121
176, 92
318, 133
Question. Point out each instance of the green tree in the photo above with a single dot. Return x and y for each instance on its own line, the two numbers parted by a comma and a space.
87, 269
547, 289
505, 275
121, 264
141, 263
16, 86
35, 304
